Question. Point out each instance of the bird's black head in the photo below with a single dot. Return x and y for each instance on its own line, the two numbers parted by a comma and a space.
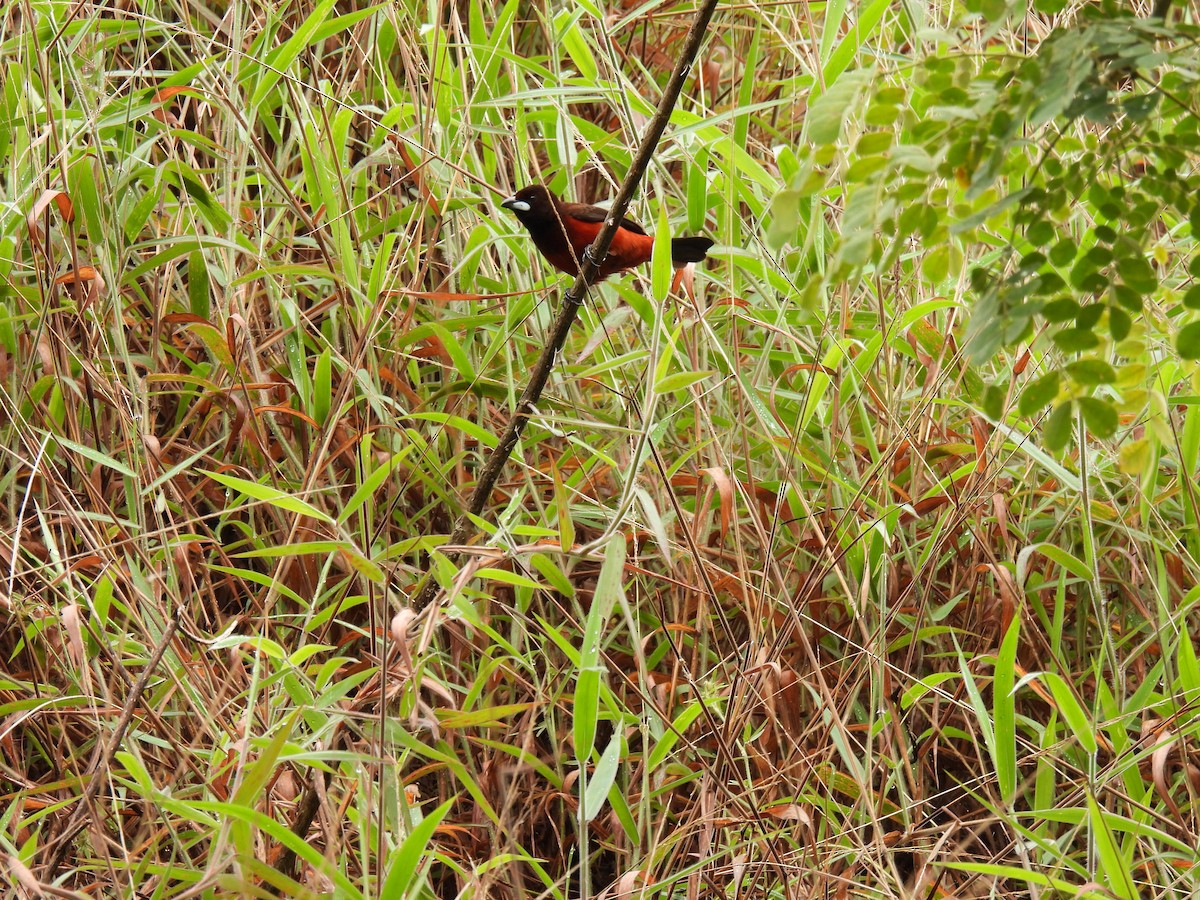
533, 204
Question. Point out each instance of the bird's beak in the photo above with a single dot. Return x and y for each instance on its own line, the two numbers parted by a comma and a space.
514, 204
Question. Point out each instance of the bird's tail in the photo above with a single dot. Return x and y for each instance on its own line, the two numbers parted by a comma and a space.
686, 250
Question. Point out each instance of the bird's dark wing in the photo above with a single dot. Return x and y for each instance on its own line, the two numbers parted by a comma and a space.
585, 213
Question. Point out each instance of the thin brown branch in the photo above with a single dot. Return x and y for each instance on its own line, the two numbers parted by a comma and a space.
592, 259
463, 529
94, 775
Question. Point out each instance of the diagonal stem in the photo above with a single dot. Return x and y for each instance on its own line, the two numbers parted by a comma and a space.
592, 258
96, 774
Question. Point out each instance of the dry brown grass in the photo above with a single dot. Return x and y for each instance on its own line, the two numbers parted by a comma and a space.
240, 442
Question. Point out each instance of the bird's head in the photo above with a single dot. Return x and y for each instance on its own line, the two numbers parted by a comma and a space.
532, 204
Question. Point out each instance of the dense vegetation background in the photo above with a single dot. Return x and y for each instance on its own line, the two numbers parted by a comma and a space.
864, 565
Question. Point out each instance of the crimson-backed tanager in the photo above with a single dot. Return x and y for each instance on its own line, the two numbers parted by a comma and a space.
563, 231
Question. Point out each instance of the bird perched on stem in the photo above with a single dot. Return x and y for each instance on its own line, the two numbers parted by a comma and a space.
563, 231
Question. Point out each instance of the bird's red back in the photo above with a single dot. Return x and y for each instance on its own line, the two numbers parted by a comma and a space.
563, 231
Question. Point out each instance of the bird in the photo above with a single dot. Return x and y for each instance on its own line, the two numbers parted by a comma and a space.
563, 231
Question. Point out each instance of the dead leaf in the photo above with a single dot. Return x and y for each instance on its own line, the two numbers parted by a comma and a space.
1165, 743
61, 199
725, 490
84, 285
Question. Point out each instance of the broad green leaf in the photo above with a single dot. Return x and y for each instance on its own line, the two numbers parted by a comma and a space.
678, 381
273, 496
276, 831
1072, 712
1004, 710
1039, 394
1120, 880
1099, 415
199, 288
405, 861
864, 167
1058, 426
97, 457
784, 219
993, 401
1092, 371
562, 506
1189, 667
280, 60
671, 736
697, 191
601, 780
322, 398
1018, 874
827, 113
868, 15
585, 712
371, 484
503, 576
1187, 342
363, 565
1134, 457
936, 264
928, 684
660, 258
1136, 272
1076, 340
572, 39
487, 716
258, 773
609, 589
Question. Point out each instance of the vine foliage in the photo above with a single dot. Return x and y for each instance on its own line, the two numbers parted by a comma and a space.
1066, 175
